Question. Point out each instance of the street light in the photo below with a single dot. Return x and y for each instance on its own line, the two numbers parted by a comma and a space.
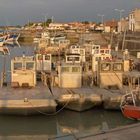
102, 18
45, 18
120, 11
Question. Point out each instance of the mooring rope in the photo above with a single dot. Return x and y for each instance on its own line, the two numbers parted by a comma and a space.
47, 114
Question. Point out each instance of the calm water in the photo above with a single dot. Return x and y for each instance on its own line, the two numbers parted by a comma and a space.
66, 122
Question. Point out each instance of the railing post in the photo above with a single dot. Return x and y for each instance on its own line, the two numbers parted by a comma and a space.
1, 81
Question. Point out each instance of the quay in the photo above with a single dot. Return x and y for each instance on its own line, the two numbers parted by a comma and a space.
26, 101
128, 132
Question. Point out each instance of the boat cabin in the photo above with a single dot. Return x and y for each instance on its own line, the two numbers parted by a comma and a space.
63, 43
70, 76
76, 49
43, 43
100, 53
23, 72
43, 62
73, 58
110, 74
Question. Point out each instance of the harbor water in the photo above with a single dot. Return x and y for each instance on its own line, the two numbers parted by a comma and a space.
43, 127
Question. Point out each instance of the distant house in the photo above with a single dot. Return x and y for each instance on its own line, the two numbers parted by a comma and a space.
123, 25
111, 26
57, 26
134, 20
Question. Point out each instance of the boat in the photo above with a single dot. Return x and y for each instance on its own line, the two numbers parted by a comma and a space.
79, 102
129, 106
2, 40
12, 38
130, 102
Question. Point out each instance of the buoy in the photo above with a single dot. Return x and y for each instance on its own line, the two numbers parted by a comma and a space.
25, 99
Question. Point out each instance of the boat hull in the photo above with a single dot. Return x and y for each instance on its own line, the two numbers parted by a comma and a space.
131, 111
79, 103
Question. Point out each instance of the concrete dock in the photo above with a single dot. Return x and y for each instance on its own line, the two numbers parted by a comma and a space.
130, 132
84, 98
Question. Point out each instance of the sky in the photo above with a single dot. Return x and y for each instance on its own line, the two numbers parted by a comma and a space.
19, 12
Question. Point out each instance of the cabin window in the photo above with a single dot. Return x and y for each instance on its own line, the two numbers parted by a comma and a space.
65, 69
82, 52
102, 51
98, 58
105, 67
73, 58
29, 65
18, 66
75, 51
96, 51
47, 57
40, 57
117, 67
75, 69
107, 51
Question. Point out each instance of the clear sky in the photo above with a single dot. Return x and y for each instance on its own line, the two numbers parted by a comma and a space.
14, 12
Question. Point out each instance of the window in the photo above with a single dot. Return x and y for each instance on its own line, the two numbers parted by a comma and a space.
117, 67
18, 66
73, 58
47, 57
102, 51
105, 67
96, 51
40, 57
107, 51
29, 65
65, 69
98, 58
75, 69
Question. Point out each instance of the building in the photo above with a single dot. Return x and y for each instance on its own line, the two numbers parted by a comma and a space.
57, 26
111, 26
123, 25
134, 20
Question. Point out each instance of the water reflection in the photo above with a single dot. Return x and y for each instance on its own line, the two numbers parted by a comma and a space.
66, 122
34, 125
90, 121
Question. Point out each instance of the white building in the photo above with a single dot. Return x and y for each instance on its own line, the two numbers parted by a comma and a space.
134, 20
57, 26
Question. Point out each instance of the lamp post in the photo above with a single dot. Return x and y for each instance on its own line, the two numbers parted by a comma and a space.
102, 18
120, 13
45, 19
